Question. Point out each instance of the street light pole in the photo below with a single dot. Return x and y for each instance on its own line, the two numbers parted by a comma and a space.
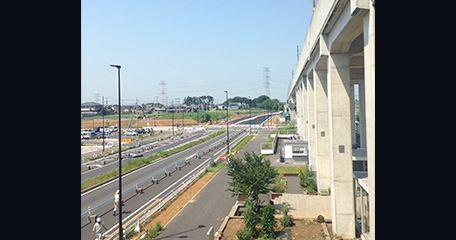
227, 124
250, 116
120, 158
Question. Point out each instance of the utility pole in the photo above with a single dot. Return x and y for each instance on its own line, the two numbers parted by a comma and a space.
250, 115
102, 119
227, 124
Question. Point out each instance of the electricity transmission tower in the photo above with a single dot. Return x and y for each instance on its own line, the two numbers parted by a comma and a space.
163, 93
267, 83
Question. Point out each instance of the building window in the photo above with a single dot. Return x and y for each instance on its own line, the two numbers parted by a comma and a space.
298, 149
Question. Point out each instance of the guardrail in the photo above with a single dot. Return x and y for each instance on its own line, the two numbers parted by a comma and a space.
156, 176
132, 143
125, 153
158, 203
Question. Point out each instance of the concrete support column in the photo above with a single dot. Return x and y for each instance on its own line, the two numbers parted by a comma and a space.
340, 151
305, 119
369, 81
352, 112
311, 121
321, 119
362, 115
298, 111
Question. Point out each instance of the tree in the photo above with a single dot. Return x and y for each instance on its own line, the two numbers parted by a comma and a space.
250, 216
268, 222
252, 176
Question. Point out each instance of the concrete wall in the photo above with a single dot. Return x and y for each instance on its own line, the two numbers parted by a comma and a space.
338, 52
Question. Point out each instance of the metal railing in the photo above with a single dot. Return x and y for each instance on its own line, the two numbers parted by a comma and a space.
158, 203
164, 172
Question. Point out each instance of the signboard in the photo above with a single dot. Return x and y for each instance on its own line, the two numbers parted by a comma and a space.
285, 114
223, 157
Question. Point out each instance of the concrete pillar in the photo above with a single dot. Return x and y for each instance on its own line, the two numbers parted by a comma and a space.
298, 111
340, 151
311, 121
305, 118
362, 115
369, 81
352, 112
301, 110
322, 142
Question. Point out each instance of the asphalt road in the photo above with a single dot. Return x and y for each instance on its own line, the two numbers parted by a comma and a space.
210, 206
133, 201
160, 147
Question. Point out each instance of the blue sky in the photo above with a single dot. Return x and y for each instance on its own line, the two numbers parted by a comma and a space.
197, 47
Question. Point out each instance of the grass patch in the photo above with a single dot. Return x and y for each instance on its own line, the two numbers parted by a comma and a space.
289, 169
242, 143
267, 146
215, 167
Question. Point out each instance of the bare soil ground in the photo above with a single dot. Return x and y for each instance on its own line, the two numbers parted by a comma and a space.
142, 123
170, 210
89, 123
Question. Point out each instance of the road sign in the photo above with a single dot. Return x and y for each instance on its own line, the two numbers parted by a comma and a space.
223, 157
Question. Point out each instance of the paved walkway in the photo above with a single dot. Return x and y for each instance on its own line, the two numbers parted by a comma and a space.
293, 185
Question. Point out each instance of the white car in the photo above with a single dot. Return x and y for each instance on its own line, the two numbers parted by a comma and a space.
130, 133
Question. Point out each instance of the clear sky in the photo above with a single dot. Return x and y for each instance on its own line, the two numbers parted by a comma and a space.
198, 47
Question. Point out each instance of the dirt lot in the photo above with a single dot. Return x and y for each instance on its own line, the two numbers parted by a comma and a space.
142, 123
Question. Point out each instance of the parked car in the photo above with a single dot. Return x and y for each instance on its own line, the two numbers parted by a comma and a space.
88, 135
130, 133
113, 128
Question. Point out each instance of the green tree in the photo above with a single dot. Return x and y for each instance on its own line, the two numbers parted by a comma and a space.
252, 175
250, 216
268, 222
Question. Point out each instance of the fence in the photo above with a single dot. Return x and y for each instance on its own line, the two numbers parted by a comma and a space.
157, 203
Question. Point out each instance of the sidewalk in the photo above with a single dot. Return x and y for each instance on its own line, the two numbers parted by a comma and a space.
210, 206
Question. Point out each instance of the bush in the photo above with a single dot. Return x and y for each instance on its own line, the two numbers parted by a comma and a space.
155, 230
250, 215
244, 234
268, 222
308, 185
286, 221
279, 185
320, 219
